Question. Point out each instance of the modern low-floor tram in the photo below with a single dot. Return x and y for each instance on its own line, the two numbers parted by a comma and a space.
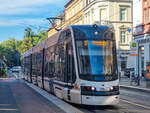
77, 64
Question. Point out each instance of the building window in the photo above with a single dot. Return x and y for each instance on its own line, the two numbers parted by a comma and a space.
103, 15
123, 14
73, 10
149, 15
89, 1
86, 18
123, 39
92, 11
145, 3
88, 14
145, 16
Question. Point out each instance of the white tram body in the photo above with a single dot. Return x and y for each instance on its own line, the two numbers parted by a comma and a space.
77, 64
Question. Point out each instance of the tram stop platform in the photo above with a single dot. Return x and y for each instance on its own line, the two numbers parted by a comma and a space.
125, 82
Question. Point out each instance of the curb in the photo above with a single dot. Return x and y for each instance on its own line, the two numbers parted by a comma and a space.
59, 103
135, 88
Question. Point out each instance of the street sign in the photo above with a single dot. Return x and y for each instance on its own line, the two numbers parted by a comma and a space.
133, 44
133, 53
129, 30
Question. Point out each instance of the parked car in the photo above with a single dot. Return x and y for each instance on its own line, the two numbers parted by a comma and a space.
128, 71
16, 69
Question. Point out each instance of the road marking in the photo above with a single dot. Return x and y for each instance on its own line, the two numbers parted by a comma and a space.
7, 109
136, 104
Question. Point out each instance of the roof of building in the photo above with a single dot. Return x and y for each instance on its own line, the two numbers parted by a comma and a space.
69, 3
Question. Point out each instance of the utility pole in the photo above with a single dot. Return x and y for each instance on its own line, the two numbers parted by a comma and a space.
138, 76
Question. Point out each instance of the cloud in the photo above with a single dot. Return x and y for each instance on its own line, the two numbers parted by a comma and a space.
28, 12
25, 3
26, 6
23, 22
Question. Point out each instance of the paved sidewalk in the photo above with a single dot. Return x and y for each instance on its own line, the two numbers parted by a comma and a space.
125, 83
17, 97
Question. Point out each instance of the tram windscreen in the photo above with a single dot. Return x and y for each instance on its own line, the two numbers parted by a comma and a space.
96, 58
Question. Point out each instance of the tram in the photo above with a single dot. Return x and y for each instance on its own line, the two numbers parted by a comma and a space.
78, 64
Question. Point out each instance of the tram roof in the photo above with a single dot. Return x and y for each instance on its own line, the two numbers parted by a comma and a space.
89, 31
91, 26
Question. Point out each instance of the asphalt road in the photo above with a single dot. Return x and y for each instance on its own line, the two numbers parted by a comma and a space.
130, 102
17, 97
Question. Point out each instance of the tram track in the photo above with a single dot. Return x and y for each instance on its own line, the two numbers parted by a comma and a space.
133, 103
116, 108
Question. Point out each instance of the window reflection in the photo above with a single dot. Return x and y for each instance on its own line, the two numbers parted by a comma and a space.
95, 57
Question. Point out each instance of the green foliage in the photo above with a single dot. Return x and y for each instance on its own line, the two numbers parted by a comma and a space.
4, 74
25, 45
11, 50
43, 35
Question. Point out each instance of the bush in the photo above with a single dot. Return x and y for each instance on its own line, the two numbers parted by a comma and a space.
4, 74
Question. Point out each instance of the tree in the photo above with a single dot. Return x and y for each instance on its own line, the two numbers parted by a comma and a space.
9, 52
25, 45
12, 48
43, 36
28, 32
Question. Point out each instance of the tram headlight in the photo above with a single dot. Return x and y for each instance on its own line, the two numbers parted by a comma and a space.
114, 88
93, 88
111, 88
88, 88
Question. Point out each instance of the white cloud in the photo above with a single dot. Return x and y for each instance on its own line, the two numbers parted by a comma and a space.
25, 6
24, 3
22, 22
10, 9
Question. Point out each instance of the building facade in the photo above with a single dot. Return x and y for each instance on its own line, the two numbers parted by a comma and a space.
142, 39
74, 12
117, 13
137, 12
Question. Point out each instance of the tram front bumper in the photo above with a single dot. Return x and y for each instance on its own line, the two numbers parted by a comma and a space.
100, 100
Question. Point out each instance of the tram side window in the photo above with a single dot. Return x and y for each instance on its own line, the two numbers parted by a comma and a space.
51, 65
71, 75
36, 64
27, 65
46, 63
39, 63
49, 62
33, 64
59, 63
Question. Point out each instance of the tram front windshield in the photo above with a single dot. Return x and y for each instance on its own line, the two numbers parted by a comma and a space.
96, 59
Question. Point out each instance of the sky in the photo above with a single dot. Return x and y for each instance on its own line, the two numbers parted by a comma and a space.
16, 15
